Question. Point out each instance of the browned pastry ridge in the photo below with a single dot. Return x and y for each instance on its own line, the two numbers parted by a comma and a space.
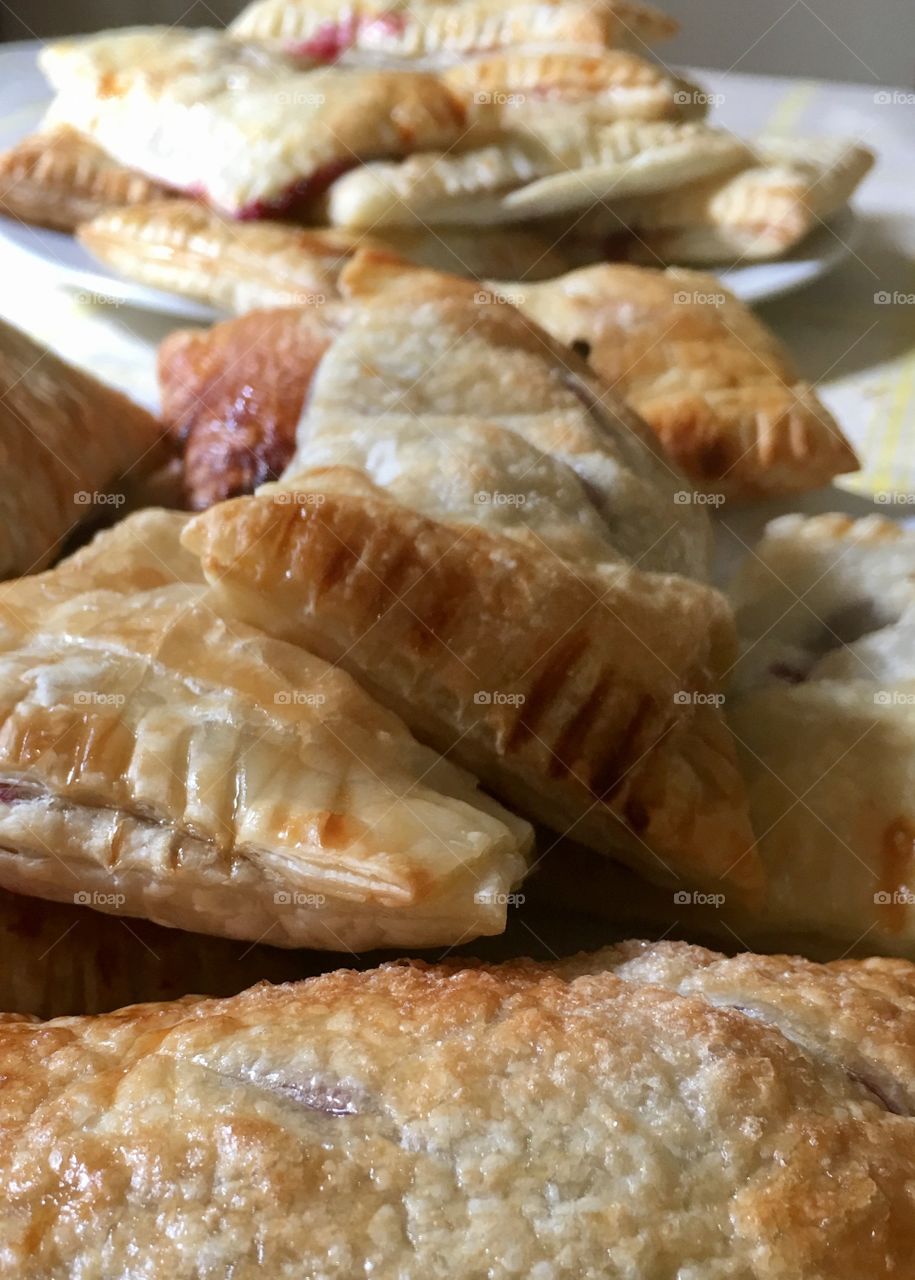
66, 442
59, 179
715, 384
644, 1110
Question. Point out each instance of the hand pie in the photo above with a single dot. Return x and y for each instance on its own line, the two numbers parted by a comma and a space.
557, 160
714, 383
188, 249
610, 84
438, 536
59, 179
564, 1119
188, 769
443, 30
234, 125
66, 443
64, 958
759, 211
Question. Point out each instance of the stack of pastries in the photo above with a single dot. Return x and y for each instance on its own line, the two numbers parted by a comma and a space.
424, 657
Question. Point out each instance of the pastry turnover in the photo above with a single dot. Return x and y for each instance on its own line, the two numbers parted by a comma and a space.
187, 248
444, 30
59, 179
67, 442
714, 382
758, 211
208, 777
555, 160
486, 542
647, 1107
65, 958
234, 125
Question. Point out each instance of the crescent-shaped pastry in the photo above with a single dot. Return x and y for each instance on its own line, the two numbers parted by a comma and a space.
69, 447
647, 1107
59, 179
443, 30
169, 763
234, 125
716, 385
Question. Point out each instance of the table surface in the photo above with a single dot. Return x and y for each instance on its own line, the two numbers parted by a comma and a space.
852, 332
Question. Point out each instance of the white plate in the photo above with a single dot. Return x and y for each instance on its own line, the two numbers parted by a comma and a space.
24, 97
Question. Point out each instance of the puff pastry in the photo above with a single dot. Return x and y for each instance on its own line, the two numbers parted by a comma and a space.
66, 443
443, 30
542, 162
608, 84
759, 211
234, 125
184, 247
59, 179
715, 384
647, 1108
464, 542
207, 777
65, 958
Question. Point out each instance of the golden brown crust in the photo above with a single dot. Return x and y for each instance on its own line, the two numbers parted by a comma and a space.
711, 380
563, 684
66, 443
359, 1122
59, 179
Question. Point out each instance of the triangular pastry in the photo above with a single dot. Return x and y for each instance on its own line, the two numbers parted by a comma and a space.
557, 160
716, 385
428, 540
67, 442
183, 246
607, 1115
443, 30
59, 179
208, 777
234, 125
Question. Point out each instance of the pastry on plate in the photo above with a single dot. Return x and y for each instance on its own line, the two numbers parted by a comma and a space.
184, 247
610, 84
59, 179
492, 547
646, 1109
758, 211
241, 128
539, 162
711, 379
179, 766
62, 958
68, 447
443, 30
